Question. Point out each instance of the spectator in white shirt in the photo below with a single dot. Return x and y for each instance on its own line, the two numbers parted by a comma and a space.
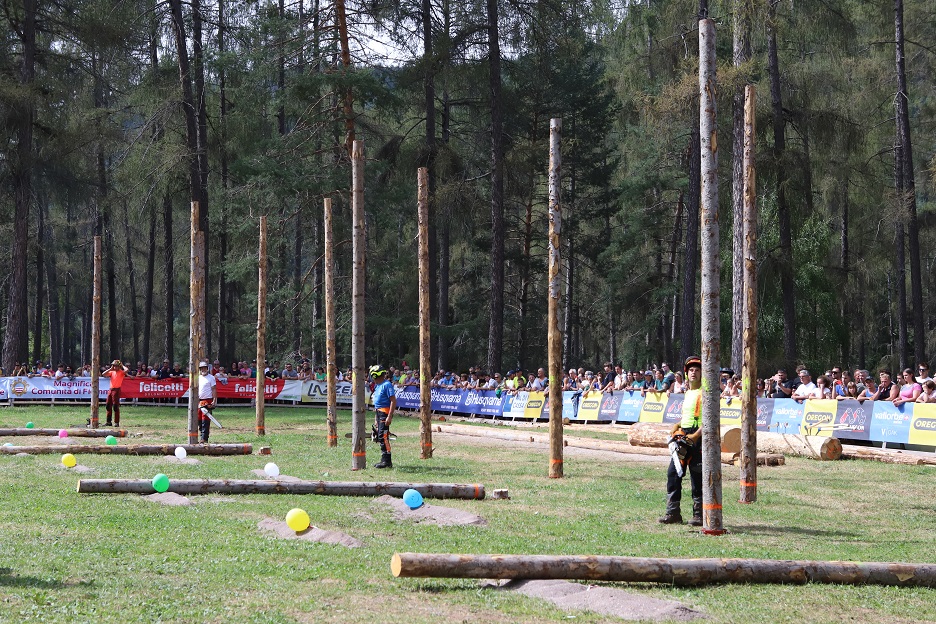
807, 389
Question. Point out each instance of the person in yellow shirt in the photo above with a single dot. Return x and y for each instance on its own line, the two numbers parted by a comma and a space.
687, 444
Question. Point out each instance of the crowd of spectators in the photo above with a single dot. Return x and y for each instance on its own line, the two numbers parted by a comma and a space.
836, 383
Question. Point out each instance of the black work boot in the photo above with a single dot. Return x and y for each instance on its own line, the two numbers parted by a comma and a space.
696, 519
385, 461
670, 518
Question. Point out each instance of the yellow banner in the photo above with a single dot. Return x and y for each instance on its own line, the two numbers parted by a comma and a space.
534, 406
654, 407
730, 411
819, 417
589, 405
923, 424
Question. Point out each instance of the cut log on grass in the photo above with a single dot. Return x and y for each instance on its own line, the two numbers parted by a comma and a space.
658, 435
269, 486
131, 449
888, 456
669, 571
813, 447
616, 446
763, 459
72, 433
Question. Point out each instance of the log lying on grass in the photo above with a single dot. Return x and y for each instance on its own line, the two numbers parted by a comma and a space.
658, 435
131, 449
888, 456
813, 447
763, 459
669, 571
72, 433
267, 486
616, 446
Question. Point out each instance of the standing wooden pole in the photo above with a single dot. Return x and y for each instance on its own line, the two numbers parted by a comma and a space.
331, 374
749, 370
196, 319
359, 409
711, 334
96, 334
554, 338
425, 340
261, 326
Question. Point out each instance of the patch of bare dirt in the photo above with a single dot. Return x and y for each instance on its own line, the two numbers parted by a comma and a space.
433, 514
284, 478
570, 451
280, 529
172, 459
169, 498
570, 597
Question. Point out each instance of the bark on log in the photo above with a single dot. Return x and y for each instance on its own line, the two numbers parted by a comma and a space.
813, 447
132, 449
888, 456
763, 459
669, 571
269, 486
658, 435
72, 433
521, 436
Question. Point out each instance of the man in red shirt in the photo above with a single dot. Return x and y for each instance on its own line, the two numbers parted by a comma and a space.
116, 372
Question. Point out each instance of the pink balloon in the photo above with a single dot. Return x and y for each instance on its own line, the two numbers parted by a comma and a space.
63, 433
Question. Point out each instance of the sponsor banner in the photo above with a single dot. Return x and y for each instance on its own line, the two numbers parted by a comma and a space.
610, 404
890, 423
481, 402
730, 411
629, 409
569, 405
853, 420
45, 388
515, 407
654, 407
589, 405
317, 392
787, 416
407, 397
534, 405
819, 417
174, 388
4, 388
923, 425
445, 400
673, 412
764, 414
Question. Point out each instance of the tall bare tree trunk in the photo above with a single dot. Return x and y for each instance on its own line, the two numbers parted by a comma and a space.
741, 34
96, 332
40, 286
261, 325
113, 325
425, 337
711, 335
224, 316
554, 292
56, 333
168, 278
148, 288
687, 330
331, 397
197, 320
496, 306
17, 320
341, 20
131, 277
748, 475
567, 324
907, 190
358, 353
783, 211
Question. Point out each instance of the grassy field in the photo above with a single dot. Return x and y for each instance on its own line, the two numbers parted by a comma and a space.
66, 557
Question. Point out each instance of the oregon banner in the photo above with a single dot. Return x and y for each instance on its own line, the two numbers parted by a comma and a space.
534, 405
654, 407
923, 425
818, 417
730, 411
589, 405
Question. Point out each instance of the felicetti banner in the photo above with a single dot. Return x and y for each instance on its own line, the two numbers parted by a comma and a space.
44, 388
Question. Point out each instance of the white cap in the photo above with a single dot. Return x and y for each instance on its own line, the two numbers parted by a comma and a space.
203, 365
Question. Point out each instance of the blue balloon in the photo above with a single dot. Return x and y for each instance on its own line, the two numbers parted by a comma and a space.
412, 499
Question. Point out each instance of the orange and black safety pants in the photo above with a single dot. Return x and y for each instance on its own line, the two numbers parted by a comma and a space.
204, 423
383, 431
113, 404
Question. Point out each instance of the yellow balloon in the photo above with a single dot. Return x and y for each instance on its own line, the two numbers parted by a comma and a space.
297, 520
68, 460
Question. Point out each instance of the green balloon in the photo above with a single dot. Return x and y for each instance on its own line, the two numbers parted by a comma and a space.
110, 440
29, 425
160, 483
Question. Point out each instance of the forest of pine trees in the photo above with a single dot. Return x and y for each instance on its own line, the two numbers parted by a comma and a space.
118, 115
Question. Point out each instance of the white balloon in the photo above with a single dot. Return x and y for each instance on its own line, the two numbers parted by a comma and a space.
271, 470
180, 452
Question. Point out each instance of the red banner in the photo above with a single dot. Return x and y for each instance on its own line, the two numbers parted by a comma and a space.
177, 388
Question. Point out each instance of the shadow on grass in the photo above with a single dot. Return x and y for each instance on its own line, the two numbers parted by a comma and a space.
424, 469
765, 529
9, 579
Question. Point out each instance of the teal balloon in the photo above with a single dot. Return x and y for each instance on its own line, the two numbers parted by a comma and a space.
412, 499
160, 483
110, 440
29, 425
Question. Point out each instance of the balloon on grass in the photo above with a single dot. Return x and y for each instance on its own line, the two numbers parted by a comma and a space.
30, 425
7, 444
160, 483
68, 460
180, 452
297, 520
63, 433
110, 440
412, 499
271, 470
